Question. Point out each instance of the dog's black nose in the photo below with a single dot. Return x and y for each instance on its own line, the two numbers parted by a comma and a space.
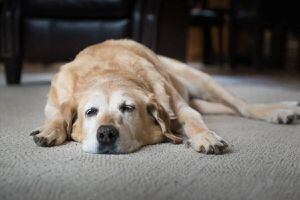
107, 134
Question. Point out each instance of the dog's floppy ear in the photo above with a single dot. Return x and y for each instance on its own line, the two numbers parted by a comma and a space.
161, 117
69, 112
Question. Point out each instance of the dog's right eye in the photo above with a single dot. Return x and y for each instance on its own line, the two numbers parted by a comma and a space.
91, 112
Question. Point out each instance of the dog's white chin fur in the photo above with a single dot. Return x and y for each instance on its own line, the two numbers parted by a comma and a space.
92, 146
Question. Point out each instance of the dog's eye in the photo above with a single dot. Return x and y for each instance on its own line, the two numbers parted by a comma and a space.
91, 112
126, 108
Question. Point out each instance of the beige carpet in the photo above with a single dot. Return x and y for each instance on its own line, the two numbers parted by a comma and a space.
263, 163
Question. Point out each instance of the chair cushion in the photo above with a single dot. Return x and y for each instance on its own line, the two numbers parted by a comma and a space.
78, 8
57, 40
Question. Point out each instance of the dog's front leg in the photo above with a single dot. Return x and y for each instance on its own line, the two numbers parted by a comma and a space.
53, 132
200, 137
59, 112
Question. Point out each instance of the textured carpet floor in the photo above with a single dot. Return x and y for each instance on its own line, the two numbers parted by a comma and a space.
263, 162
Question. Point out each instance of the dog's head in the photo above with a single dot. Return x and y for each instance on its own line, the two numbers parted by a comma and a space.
119, 120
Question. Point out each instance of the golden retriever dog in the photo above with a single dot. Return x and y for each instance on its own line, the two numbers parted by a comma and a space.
118, 96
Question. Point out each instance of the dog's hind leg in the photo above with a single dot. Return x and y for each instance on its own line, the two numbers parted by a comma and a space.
281, 112
201, 85
205, 107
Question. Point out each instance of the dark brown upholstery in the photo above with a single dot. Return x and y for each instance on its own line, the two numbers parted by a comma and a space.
78, 8
55, 30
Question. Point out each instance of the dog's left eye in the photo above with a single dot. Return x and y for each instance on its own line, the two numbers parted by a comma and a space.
126, 108
91, 112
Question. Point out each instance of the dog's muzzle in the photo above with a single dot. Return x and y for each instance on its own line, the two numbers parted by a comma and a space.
107, 136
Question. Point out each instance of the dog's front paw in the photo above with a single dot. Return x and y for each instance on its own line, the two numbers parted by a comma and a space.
282, 116
48, 137
208, 142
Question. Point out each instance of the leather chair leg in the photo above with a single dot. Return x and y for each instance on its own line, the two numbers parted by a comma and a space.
232, 46
207, 45
220, 41
257, 54
13, 67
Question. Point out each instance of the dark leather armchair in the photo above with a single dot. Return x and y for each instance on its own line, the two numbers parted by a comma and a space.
55, 30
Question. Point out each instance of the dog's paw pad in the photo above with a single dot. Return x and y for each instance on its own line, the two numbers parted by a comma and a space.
49, 137
290, 119
223, 146
283, 117
209, 143
212, 149
35, 132
286, 119
43, 141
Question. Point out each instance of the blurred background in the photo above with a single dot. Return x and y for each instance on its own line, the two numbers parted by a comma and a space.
236, 38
